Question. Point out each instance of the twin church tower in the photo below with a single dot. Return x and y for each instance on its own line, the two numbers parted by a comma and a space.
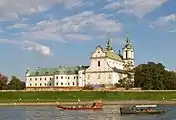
106, 67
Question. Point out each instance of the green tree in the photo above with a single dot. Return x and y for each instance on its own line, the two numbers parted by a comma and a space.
3, 82
150, 76
126, 82
16, 84
170, 80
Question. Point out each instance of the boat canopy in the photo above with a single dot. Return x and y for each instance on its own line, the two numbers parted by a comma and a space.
146, 106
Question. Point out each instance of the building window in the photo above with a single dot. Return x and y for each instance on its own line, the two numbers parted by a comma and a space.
98, 76
77, 77
65, 77
56, 77
50, 84
68, 83
50, 78
35, 78
61, 77
30, 84
40, 84
109, 77
30, 79
88, 77
57, 83
40, 78
126, 54
68, 77
45, 84
73, 83
35, 84
98, 63
61, 83
74, 77
45, 78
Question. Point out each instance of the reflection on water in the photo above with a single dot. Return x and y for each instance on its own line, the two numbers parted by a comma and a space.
52, 113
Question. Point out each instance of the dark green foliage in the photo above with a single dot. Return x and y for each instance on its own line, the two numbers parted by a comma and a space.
16, 84
154, 76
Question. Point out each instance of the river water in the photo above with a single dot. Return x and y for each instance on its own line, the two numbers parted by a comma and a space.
52, 113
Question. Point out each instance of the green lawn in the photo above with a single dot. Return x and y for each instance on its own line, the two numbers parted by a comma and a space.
49, 96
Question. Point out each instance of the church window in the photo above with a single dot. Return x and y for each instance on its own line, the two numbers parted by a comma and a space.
35, 78
56, 77
50, 84
61, 83
68, 77
61, 77
30, 79
126, 54
88, 77
45, 84
109, 77
98, 63
50, 78
40, 78
35, 84
73, 83
40, 84
30, 84
98, 76
68, 83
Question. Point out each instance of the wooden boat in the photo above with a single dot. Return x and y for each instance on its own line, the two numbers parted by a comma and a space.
141, 109
95, 106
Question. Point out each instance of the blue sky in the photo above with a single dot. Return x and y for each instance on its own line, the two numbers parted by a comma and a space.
49, 33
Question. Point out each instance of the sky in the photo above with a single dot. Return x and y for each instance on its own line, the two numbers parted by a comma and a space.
50, 33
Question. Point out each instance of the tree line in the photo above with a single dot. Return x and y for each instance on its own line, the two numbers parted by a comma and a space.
14, 84
154, 76
150, 76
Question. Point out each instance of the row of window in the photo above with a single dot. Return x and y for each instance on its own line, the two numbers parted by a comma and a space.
75, 77
45, 84
99, 77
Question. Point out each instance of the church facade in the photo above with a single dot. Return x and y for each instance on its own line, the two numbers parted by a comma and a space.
106, 67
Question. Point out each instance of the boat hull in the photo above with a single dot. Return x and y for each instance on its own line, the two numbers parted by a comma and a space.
145, 112
77, 108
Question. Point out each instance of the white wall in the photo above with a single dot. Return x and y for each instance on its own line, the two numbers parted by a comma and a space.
65, 80
39, 81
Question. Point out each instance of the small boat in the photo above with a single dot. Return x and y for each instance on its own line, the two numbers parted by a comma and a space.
141, 109
95, 106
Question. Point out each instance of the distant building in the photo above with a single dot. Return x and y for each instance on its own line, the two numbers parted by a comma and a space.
106, 67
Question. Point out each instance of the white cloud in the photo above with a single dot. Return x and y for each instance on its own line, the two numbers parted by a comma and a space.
174, 30
164, 21
30, 46
138, 8
33, 46
72, 27
12, 9
78, 37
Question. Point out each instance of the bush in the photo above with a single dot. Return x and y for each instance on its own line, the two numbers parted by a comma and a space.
88, 87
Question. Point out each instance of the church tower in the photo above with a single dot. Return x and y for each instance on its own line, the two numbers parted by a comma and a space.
108, 44
128, 53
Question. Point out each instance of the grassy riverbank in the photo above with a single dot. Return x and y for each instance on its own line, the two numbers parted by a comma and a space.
72, 96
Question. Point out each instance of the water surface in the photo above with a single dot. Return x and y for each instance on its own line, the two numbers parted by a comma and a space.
52, 113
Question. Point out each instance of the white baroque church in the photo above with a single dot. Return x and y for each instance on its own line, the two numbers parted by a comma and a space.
106, 67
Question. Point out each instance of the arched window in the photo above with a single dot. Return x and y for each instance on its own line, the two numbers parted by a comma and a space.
98, 63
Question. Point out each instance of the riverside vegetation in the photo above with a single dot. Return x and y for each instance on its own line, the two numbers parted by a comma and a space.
150, 76
73, 96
